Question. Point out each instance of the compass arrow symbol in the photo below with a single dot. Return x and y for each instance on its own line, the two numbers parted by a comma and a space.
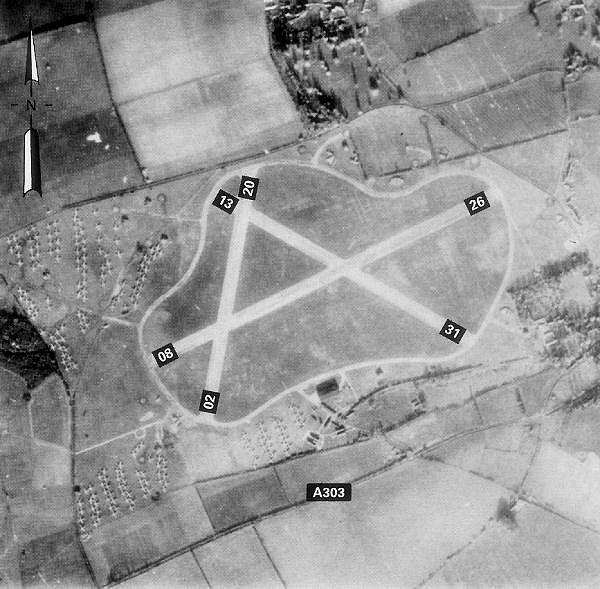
31, 69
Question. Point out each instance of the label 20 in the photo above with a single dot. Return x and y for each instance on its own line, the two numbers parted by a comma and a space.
328, 491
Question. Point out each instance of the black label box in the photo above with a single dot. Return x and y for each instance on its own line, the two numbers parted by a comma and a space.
165, 355
328, 491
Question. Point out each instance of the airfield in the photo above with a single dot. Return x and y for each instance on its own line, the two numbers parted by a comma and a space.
342, 272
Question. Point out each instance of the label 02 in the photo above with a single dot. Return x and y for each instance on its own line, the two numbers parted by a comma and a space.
209, 401
165, 355
225, 201
328, 491
453, 331
477, 203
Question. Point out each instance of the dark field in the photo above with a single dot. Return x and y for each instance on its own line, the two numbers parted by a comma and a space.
334, 327
239, 498
342, 218
270, 265
456, 272
422, 27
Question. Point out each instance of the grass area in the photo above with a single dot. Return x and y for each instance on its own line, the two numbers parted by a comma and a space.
456, 272
390, 139
342, 218
335, 326
270, 265
114, 391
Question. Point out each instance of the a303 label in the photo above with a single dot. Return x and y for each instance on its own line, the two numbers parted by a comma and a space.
328, 491
225, 201
453, 331
165, 355
477, 203
248, 187
209, 401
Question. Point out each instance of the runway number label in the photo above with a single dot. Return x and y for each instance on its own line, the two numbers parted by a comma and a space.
225, 201
209, 401
328, 491
165, 355
477, 203
248, 187
453, 331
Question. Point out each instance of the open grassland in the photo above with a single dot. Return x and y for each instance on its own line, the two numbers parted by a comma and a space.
338, 325
420, 28
270, 265
495, 56
456, 272
113, 391
343, 219
519, 112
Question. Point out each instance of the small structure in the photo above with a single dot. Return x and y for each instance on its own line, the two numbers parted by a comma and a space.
328, 387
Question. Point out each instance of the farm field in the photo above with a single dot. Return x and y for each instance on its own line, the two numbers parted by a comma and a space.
342, 218
419, 28
534, 106
583, 95
250, 567
74, 167
319, 333
438, 508
392, 138
190, 106
541, 549
126, 545
457, 272
496, 56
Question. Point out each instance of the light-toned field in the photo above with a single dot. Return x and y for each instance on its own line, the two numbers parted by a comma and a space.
398, 528
547, 481
185, 105
541, 550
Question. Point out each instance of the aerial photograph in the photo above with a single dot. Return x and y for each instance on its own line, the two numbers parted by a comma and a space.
258, 257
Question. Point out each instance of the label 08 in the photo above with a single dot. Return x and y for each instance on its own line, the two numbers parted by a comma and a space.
165, 355
328, 491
